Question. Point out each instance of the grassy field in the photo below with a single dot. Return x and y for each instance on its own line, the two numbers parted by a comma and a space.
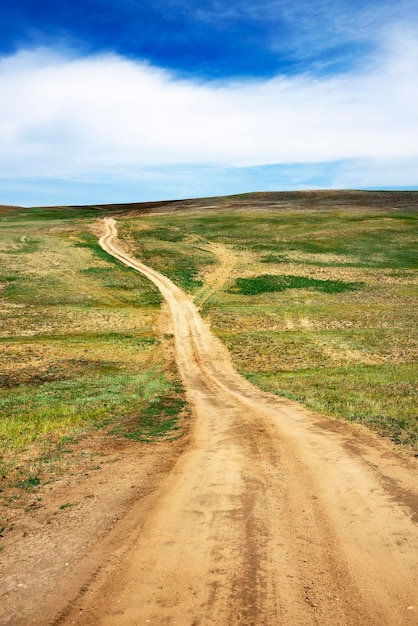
321, 306
79, 351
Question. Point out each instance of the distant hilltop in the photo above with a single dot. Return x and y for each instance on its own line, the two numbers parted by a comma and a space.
4, 208
322, 200
276, 200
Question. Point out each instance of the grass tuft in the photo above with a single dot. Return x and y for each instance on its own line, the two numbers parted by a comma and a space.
32, 481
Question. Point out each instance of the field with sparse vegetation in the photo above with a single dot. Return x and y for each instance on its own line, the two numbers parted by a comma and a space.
318, 304
315, 296
80, 353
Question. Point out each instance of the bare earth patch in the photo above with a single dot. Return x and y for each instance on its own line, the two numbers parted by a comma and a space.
58, 534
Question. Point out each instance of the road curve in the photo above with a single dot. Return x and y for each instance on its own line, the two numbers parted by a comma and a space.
272, 516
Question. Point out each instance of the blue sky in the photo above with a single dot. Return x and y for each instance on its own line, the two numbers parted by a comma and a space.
127, 100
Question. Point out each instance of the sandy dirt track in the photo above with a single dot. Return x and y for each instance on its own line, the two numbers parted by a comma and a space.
273, 515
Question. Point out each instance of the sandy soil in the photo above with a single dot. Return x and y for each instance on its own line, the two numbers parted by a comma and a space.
272, 515
53, 552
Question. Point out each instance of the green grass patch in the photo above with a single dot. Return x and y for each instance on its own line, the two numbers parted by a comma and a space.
271, 283
30, 412
8, 279
158, 418
382, 397
32, 481
67, 505
274, 258
165, 234
53, 412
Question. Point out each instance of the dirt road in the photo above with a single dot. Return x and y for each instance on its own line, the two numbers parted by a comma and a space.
272, 516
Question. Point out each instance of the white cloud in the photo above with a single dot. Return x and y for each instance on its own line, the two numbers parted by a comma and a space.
62, 116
